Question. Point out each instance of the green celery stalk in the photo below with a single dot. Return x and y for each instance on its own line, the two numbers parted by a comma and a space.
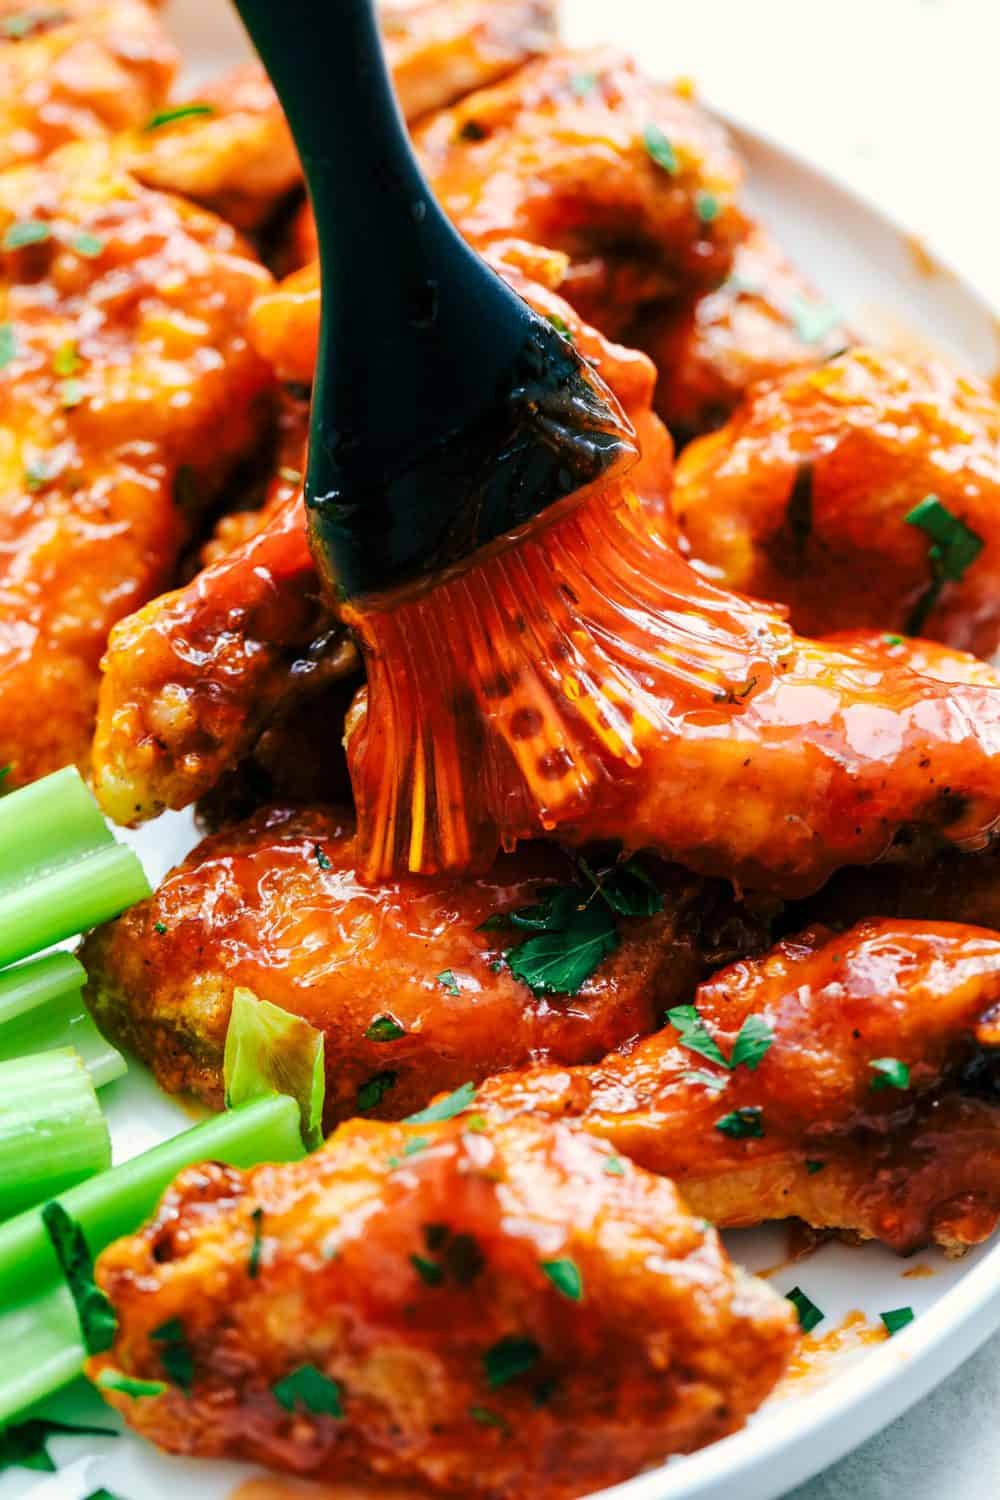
41, 1009
39, 1333
52, 1132
61, 871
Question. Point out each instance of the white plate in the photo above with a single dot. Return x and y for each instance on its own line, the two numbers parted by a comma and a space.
867, 266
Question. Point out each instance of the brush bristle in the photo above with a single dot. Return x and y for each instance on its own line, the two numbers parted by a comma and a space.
500, 701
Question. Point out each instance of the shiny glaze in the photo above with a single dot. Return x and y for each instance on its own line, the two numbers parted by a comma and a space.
557, 156
192, 679
668, 1349
86, 69
880, 434
242, 162
908, 1167
710, 349
276, 906
165, 382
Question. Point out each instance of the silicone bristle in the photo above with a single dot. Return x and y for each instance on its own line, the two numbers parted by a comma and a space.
501, 700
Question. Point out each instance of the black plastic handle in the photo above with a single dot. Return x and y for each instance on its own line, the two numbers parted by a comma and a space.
431, 370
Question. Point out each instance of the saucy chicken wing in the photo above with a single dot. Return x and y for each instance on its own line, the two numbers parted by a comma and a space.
128, 392
237, 155
76, 70
848, 1079
808, 496
275, 906
495, 1312
581, 153
191, 680
763, 321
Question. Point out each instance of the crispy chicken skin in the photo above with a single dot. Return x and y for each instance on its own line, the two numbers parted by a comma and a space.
241, 161
822, 1135
77, 70
275, 906
416, 1284
764, 320
191, 681
564, 154
127, 393
803, 496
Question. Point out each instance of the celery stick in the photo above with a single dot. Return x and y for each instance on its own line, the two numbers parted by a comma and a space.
39, 1333
41, 1009
52, 1132
61, 871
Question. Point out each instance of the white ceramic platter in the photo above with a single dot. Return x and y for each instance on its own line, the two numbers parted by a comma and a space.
855, 1384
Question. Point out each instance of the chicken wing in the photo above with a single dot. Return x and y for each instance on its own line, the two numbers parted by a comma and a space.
128, 391
580, 152
763, 321
237, 156
275, 906
191, 680
804, 497
495, 1312
77, 70
849, 1080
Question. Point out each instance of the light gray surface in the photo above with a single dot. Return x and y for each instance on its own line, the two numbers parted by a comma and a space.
946, 1448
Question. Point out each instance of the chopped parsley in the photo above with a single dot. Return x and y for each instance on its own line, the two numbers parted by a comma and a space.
176, 1356
129, 1385
714, 1081
896, 1319
321, 858
22, 1445
371, 1094
160, 928
814, 321
37, 476
447, 1108
71, 394
182, 112
614, 1166
810, 1316
24, 23
565, 1277
98, 1322
102, 1494
574, 933
508, 1358
384, 1028
257, 1245
66, 360
8, 344
707, 207
487, 1418
90, 246
660, 150
954, 548
893, 640
308, 1389
812, 1167
582, 84
448, 980
561, 326
627, 889
752, 1042
890, 1073
744, 1124
412, 1148
25, 232
430, 1273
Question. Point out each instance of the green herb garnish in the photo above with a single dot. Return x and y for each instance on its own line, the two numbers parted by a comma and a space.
707, 207
176, 1356
308, 1389
754, 1038
90, 246
565, 1277
614, 1166
371, 1094
814, 321
98, 1322
487, 1418
752, 1043
744, 1124
182, 112
810, 1316
446, 1108
384, 1028
561, 326
430, 1273
66, 360
8, 345
890, 1073
575, 933
812, 1167
129, 1385
448, 980
24, 22
660, 149
321, 858
22, 1445
253, 1262
582, 84
509, 1358
26, 232
954, 548
893, 640
896, 1319
160, 928
71, 394
694, 1034
627, 889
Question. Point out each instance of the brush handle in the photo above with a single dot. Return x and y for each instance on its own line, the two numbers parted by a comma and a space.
421, 346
